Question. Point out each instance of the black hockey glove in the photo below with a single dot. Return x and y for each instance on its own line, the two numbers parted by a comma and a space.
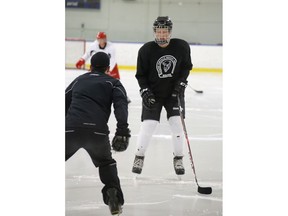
179, 89
120, 141
148, 98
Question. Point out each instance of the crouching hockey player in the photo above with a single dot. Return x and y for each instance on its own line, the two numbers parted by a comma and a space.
88, 107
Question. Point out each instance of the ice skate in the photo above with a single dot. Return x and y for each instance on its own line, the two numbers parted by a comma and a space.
138, 164
113, 202
178, 165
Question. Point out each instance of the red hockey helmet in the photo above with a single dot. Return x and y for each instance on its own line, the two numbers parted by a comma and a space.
101, 35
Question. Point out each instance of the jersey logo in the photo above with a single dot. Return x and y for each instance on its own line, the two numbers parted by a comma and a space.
165, 66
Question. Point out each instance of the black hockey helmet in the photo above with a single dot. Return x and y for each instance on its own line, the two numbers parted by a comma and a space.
163, 22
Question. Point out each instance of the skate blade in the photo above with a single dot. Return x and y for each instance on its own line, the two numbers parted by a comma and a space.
116, 213
135, 176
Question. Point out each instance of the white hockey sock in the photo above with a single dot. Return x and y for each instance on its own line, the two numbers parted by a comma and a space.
177, 135
146, 131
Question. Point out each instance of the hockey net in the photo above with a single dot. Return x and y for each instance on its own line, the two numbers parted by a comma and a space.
74, 49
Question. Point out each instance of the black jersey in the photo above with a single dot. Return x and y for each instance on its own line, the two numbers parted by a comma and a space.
89, 99
161, 68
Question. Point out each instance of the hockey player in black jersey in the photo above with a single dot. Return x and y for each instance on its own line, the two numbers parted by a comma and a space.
163, 66
88, 106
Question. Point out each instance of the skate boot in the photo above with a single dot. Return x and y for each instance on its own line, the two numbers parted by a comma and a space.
138, 164
113, 202
178, 165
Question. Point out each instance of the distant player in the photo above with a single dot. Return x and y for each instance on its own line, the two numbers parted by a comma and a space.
163, 66
87, 115
101, 45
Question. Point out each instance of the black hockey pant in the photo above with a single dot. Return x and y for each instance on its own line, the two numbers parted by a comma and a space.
98, 147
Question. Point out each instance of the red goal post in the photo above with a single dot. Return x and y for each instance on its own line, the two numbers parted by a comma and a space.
74, 49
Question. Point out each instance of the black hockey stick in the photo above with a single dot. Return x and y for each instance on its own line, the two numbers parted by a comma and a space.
201, 190
197, 91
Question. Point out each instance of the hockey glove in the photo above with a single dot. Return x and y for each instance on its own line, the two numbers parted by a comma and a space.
148, 98
80, 63
120, 141
179, 89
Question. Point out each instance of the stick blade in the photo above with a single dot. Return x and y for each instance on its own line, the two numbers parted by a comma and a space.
204, 190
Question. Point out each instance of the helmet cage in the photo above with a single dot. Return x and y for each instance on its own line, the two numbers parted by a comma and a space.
162, 23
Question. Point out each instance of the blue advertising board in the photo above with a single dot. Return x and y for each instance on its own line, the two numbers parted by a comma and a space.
86, 4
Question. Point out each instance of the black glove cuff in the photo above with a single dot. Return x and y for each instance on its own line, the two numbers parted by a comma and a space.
123, 132
145, 92
180, 85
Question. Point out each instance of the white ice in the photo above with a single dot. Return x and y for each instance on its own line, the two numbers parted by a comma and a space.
158, 191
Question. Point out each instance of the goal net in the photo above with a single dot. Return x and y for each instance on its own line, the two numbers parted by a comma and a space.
74, 49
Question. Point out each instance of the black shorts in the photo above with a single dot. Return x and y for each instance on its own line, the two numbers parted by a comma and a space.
170, 105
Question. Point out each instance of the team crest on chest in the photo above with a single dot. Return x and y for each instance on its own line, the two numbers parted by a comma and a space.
165, 66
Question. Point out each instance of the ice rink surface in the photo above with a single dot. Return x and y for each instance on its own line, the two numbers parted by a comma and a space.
158, 191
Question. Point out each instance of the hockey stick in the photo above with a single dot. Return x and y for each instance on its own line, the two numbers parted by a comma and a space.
197, 91
201, 190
